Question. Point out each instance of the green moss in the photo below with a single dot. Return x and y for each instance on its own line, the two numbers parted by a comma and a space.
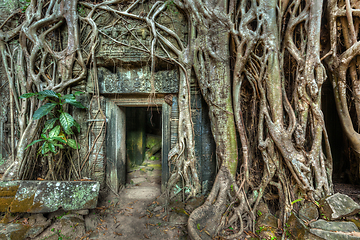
155, 166
152, 140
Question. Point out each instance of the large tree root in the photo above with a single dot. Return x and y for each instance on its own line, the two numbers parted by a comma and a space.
204, 221
225, 208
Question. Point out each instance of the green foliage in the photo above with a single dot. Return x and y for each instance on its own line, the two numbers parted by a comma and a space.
259, 213
261, 228
297, 200
55, 138
198, 226
324, 217
81, 10
171, 6
26, 5
287, 233
2, 160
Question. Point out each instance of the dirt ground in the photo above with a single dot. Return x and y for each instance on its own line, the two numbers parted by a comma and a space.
137, 212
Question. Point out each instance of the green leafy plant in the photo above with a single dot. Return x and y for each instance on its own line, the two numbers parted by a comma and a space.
324, 217
259, 213
57, 130
171, 6
297, 200
81, 10
2, 160
287, 232
261, 228
25, 4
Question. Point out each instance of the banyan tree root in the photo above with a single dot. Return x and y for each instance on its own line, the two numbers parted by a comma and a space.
266, 39
204, 221
262, 45
55, 70
41, 67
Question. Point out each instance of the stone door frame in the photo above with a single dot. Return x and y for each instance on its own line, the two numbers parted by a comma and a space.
116, 159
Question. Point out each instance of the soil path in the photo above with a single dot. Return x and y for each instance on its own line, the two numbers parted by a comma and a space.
127, 216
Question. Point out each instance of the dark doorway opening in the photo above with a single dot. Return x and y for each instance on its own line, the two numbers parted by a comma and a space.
143, 145
336, 138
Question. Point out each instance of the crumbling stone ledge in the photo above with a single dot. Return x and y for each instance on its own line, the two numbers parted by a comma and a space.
47, 196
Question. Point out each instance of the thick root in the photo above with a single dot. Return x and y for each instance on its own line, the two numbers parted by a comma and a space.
205, 220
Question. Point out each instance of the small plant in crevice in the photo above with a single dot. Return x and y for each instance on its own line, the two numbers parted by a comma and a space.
58, 128
261, 228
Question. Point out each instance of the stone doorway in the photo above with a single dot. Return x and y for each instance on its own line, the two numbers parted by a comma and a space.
126, 139
143, 145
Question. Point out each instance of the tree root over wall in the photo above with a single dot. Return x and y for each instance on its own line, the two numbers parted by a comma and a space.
259, 67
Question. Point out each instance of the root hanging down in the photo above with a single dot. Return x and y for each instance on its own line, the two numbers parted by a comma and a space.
258, 66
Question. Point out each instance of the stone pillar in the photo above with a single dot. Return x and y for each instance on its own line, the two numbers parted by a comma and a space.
97, 142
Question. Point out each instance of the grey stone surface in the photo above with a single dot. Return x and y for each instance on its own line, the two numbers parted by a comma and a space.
338, 206
47, 196
38, 224
330, 235
267, 219
177, 218
18, 231
309, 211
334, 226
143, 193
138, 180
266, 226
13, 231
72, 226
68, 226
296, 227
91, 222
137, 80
81, 212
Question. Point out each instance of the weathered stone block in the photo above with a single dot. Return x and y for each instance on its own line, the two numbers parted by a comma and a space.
137, 80
338, 206
18, 231
72, 227
13, 231
296, 227
309, 211
267, 219
334, 226
266, 226
48, 196
331, 235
